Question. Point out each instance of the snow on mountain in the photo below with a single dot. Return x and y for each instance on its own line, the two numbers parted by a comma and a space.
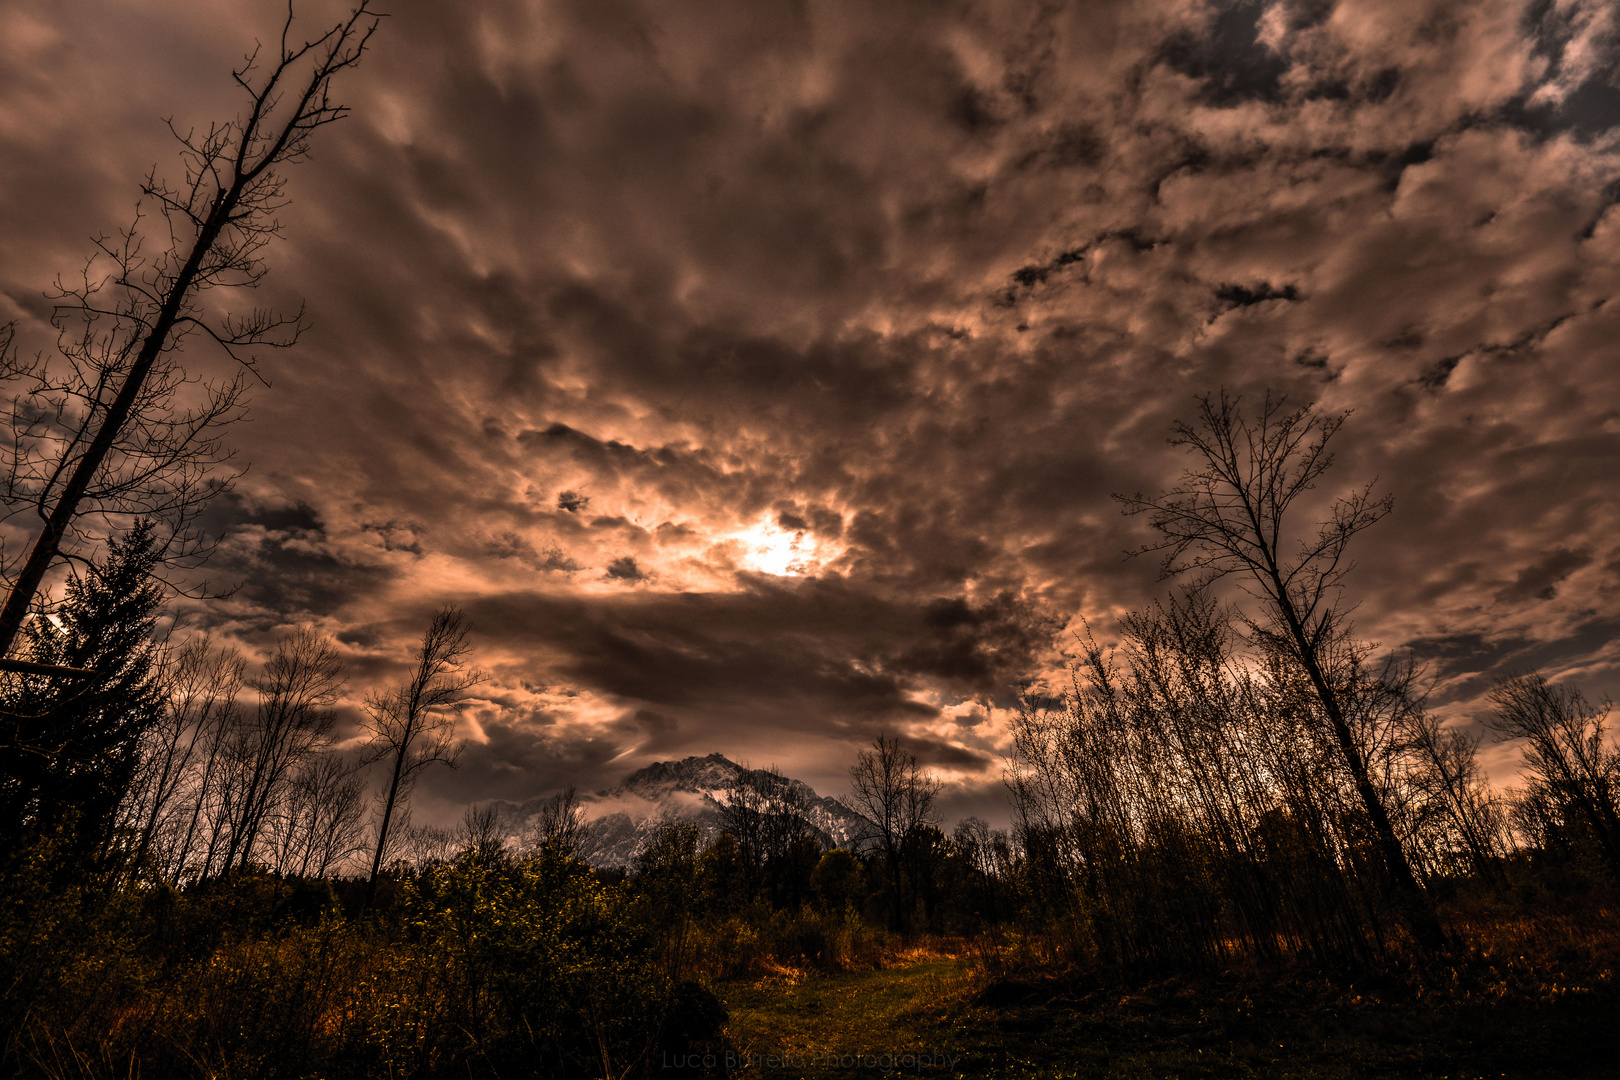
619, 822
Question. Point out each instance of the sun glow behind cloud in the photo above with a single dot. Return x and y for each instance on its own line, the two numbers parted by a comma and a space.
770, 549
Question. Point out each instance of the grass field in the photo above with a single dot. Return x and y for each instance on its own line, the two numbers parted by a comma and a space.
952, 1021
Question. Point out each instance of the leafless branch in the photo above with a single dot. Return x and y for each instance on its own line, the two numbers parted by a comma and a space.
108, 426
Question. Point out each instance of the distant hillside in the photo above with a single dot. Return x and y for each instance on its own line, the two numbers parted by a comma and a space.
620, 821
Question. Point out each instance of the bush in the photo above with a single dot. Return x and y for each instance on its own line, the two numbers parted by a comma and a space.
484, 966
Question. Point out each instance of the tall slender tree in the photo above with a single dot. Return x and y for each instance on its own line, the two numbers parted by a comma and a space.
1446, 773
97, 431
560, 823
413, 726
1236, 512
218, 720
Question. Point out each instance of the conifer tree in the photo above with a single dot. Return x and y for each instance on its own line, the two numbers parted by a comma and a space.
71, 745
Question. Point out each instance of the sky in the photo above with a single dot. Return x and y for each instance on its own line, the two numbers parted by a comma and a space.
757, 375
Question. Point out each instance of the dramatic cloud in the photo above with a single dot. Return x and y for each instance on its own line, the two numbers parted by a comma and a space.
757, 374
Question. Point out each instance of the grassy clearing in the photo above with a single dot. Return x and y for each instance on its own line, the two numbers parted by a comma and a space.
1233, 1026
896, 1010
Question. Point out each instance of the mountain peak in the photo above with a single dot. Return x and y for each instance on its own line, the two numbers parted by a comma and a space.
693, 774
619, 822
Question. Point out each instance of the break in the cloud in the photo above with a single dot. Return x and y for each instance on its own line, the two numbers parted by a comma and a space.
757, 374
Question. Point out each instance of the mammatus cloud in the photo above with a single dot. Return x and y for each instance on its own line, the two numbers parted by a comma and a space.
757, 374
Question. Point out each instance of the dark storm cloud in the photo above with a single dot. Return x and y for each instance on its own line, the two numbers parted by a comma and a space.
758, 373
1466, 664
1227, 57
1541, 579
520, 754
274, 566
807, 654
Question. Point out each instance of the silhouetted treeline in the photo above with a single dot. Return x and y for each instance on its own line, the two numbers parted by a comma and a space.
1186, 806
173, 899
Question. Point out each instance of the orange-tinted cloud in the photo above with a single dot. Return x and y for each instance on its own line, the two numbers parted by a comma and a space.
913, 286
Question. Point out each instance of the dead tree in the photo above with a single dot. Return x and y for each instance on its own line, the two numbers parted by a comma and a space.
98, 432
483, 835
765, 813
1235, 513
217, 717
413, 726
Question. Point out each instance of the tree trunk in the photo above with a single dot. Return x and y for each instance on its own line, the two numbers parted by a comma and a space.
1416, 911
382, 832
47, 545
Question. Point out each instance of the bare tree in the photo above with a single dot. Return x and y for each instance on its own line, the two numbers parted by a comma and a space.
1232, 514
320, 822
895, 800
785, 810
99, 432
1572, 765
483, 835
974, 842
201, 684
217, 716
296, 692
1180, 803
1447, 774
560, 822
425, 845
763, 811
743, 807
413, 726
